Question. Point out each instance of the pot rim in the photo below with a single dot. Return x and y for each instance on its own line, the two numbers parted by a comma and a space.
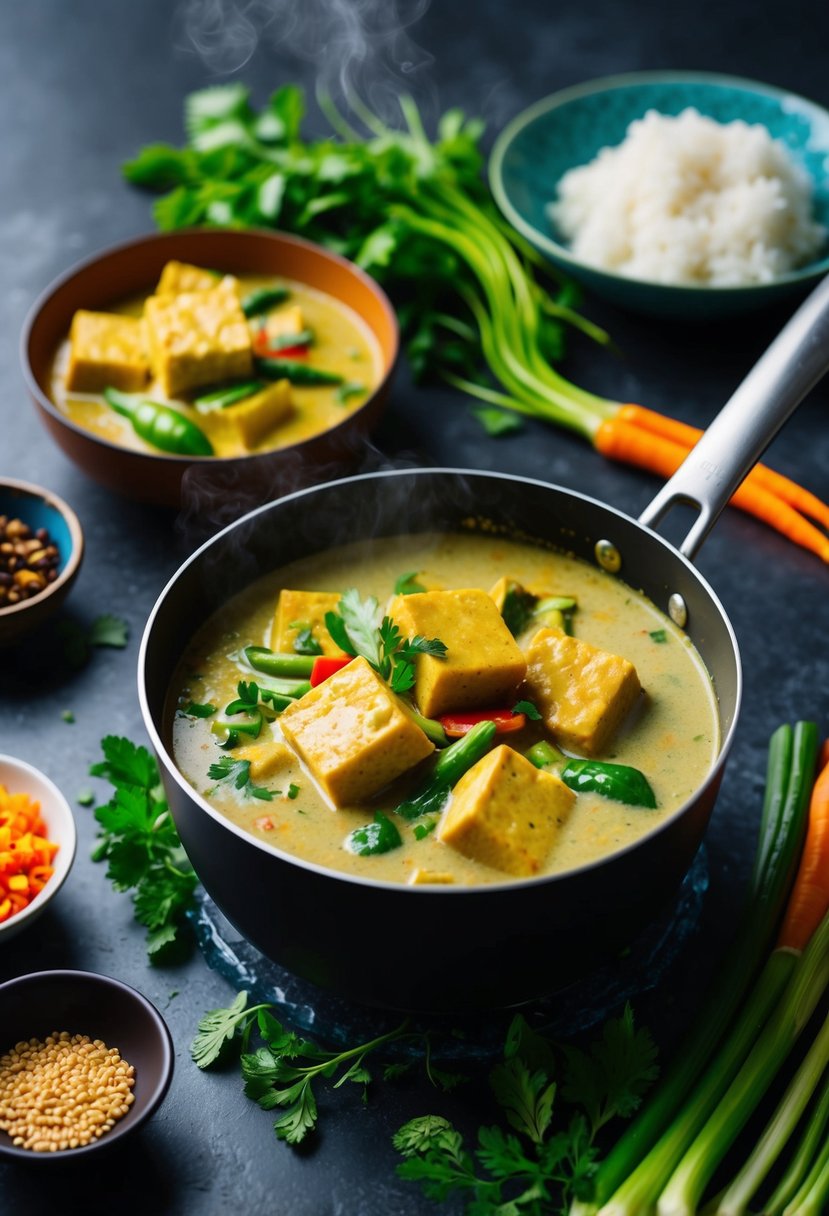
511, 885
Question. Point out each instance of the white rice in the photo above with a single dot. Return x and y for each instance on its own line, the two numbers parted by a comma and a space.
687, 200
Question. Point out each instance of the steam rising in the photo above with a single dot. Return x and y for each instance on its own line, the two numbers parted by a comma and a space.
356, 46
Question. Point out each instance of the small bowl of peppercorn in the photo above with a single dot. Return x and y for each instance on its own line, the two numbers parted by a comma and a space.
41, 547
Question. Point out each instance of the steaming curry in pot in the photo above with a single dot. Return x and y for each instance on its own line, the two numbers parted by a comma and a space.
443, 709
215, 365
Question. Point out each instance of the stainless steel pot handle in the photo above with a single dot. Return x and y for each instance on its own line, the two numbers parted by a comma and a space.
747, 423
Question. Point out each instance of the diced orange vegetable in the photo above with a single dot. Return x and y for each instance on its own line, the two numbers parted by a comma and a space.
26, 854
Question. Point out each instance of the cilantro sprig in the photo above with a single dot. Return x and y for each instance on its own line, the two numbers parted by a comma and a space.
550, 1161
139, 842
283, 1072
237, 774
355, 629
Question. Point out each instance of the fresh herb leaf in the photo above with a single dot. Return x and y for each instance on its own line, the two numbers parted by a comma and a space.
68, 716
306, 643
422, 830
658, 635
497, 422
379, 836
360, 620
109, 630
85, 797
611, 1078
237, 773
196, 709
527, 708
292, 791
140, 844
407, 584
355, 629
351, 388
216, 1028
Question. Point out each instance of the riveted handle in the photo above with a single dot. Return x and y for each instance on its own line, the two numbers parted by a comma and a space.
747, 423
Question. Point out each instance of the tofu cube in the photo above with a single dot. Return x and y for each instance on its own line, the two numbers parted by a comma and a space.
197, 338
267, 758
298, 610
483, 665
250, 420
354, 734
106, 351
178, 277
582, 693
506, 813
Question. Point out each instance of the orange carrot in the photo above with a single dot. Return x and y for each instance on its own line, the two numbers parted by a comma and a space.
25, 853
622, 440
809, 900
680, 432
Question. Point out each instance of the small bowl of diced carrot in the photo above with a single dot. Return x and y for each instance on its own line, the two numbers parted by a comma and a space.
37, 843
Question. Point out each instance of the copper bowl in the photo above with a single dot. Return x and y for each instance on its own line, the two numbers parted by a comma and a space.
131, 268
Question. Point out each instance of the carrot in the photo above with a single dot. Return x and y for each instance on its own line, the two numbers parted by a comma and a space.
625, 441
26, 854
680, 432
809, 900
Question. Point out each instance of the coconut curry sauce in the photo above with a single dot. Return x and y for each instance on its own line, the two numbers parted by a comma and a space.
670, 733
199, 335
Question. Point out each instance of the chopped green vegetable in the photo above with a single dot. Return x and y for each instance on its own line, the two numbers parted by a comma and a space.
196, 709
351, 388
160, 425
85, 797
221, 398
304, 337
108, 630
527, 708
407, 584
140, 844
517, 608
379, 836
300, 374
263, 300
422, 830
618, 781
293, 791
448, 769
497, 421
658, 635
67, 716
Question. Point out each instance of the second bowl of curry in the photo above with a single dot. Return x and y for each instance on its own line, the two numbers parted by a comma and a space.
188, 365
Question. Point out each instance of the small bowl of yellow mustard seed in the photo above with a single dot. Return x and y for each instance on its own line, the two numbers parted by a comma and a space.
84, 1060
41, 547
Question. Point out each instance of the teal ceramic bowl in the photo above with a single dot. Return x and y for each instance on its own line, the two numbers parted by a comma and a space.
568, 129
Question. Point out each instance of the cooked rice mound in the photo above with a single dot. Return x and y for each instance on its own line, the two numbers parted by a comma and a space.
687, 200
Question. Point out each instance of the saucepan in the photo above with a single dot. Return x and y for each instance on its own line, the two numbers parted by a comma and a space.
444, 948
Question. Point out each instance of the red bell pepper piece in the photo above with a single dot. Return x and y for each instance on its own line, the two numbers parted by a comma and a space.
505, 721
324, 666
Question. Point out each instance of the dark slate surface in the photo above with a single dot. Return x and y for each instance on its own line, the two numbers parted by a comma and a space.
83, 85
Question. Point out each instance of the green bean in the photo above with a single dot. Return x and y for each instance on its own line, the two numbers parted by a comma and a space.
221, 398
159, 425
450, 766
274, 664
263, 299
298, 373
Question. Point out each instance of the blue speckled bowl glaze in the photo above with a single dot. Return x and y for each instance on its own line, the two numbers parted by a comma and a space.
568, 129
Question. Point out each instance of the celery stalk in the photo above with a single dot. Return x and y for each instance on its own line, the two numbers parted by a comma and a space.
801, 1162
810, 1200
809, 980
735, 1199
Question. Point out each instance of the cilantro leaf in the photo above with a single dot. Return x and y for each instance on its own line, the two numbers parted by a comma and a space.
658, 635
527, 1097
237, 773
379, 836
527, 708
196, 709
216, 1028
306, 643
611, 1078
360, 620
109, 630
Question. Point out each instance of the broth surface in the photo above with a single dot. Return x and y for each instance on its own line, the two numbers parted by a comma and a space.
672, 736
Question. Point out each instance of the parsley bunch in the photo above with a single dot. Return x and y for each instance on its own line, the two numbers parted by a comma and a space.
355, 630
549, 1162
141, 846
